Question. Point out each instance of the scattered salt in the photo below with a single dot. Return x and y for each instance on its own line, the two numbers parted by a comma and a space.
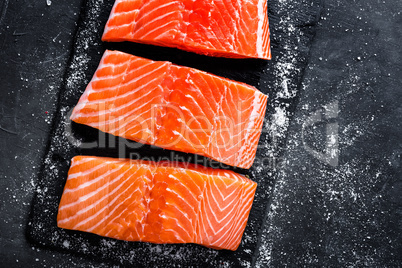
66, 244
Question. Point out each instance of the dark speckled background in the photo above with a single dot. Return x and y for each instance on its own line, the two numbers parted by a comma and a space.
348, 214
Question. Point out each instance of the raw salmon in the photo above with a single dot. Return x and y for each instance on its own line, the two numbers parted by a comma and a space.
174, 107
158, 202
226, 28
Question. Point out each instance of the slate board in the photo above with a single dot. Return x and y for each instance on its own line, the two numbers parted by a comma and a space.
292, 29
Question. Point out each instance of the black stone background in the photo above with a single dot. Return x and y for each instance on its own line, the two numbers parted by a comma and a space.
348, 215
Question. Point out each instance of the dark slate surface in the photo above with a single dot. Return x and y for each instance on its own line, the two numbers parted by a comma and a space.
35, 40
348, 214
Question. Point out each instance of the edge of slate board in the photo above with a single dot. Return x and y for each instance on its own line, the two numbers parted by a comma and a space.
292, 30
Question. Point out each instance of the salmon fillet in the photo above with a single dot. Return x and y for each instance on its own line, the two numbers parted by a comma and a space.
173, 107
224, 28
158, 202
